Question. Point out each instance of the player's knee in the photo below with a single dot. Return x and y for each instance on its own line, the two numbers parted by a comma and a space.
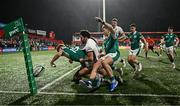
103, 62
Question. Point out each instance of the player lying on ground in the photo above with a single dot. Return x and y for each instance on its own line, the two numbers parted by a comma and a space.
168, 40
72, 53
151, 44
111, 55
135, 38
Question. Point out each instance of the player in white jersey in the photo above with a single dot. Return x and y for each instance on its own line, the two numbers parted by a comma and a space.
92, 51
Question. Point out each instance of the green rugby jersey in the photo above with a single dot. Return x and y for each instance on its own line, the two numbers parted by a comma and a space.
169, 39
74, 53
135, 40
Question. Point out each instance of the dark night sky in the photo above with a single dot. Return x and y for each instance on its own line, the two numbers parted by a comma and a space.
68, 16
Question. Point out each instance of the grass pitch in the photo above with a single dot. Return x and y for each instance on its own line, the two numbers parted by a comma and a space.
157, 84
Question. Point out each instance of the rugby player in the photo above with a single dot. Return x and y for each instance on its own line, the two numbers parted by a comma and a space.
168, 39
73, 54
119, 31
135, 37
162, 47
112, 54
92, 50
151, 44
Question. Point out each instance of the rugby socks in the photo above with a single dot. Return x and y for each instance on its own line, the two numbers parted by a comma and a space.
112, 79
93, 82
132, 64
146, 54
172, 60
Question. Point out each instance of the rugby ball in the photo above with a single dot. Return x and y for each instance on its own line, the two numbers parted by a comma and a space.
38, 71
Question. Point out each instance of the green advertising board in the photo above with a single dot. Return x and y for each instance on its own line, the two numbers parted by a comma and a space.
14, 28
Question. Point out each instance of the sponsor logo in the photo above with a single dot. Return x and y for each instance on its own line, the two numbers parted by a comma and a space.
14, 31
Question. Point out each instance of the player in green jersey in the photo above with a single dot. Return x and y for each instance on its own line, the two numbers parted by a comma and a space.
135, 38
73, 54
171, 41
111, 55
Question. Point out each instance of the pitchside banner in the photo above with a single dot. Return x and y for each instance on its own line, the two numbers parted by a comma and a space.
8, 50
41, 32
13, 28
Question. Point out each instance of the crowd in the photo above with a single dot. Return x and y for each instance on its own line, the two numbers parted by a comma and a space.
15, 42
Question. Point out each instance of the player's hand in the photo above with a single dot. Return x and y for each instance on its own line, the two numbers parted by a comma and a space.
81, 60
52, 64
99, 19
70, 61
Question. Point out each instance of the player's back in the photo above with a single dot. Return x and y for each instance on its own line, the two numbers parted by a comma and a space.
74, 53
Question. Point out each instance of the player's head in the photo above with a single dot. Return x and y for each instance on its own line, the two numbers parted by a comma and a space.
105, 31
85, 35
133, 27
170, 29
114, 22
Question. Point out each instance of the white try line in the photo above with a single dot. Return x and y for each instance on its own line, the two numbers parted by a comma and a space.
109, 94
94, 94
61, 77
14, 92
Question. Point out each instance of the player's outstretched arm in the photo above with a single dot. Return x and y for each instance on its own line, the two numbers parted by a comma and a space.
56, 56
123, 38
107, 25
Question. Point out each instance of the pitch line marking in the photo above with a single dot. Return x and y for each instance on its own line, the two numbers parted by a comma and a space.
109, 94
61, 77
14, 92
93, 94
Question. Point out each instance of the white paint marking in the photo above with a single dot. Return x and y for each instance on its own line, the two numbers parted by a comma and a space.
94, 94
61, 77
14, 92
109, 94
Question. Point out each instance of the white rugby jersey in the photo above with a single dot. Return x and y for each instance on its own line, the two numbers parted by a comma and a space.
91, 45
